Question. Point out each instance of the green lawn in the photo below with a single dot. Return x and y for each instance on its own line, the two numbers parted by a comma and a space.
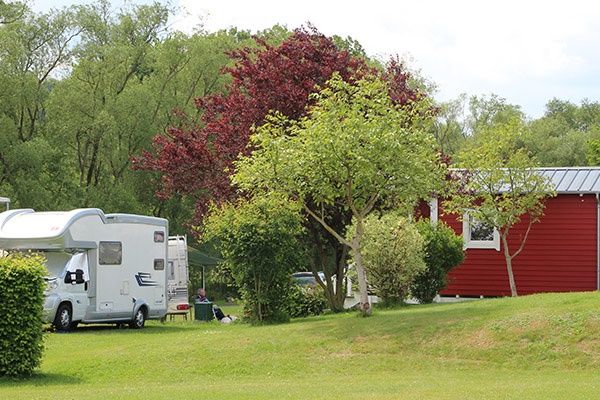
535, 347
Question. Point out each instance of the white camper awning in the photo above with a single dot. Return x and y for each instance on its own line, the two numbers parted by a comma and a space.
27, 229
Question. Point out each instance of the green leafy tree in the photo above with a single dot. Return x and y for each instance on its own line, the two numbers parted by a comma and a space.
100, 112
33, 52
566, 134
129, 80
459, 121
499, 187
354, 150
393, 253
260, 241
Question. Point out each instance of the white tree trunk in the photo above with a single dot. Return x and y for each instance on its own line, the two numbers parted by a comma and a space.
511, 276
365, 306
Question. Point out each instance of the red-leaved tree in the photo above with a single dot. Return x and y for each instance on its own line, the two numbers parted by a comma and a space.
196, 160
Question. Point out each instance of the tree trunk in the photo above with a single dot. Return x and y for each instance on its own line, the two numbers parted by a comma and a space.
511, 276
338, 292
365, 306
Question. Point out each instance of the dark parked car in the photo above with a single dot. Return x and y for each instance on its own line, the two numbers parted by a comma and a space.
306, 278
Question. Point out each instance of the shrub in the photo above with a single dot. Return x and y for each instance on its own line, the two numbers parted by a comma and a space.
305, 301
260, 241
21, 297
392, 255
443, 251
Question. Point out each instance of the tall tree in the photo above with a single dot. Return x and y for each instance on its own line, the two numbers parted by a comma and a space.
566, 134
196, 160
100, 112
498, 186
265, 78
33, 51
355, 149
269, 76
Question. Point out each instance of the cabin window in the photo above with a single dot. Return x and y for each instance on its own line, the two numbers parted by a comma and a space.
159, 237
479, 235
159, 264
171, 270
110, 253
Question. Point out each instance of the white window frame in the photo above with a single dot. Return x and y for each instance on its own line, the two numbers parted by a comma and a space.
478, 244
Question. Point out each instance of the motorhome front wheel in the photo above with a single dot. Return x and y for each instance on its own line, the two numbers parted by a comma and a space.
62, 321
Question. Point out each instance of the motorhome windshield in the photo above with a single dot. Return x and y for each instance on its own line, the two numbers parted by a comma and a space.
55, 262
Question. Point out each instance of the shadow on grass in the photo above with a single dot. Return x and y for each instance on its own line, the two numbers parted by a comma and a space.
40, 379
147, 330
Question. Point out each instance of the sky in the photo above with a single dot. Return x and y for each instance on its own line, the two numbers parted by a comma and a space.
526, 51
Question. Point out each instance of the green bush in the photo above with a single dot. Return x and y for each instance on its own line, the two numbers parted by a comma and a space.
260, 242
21, 298
305, 301
443, 251
392, 255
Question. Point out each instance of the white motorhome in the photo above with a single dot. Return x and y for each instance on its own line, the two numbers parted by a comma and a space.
101, 268
177, 276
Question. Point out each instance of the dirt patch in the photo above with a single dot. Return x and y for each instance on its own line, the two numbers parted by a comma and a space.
590, 347
481, 339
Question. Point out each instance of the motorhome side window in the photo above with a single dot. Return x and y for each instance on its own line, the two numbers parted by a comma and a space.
159, 237
110, 253
159, 264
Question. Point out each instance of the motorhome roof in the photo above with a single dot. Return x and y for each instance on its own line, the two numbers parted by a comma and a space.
29, 224
51, 229
135, 219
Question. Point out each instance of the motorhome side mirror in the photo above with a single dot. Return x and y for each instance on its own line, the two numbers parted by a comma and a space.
79, 276
68, 278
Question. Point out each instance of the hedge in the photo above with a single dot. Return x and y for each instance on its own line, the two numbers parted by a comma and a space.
305, 301
21, 305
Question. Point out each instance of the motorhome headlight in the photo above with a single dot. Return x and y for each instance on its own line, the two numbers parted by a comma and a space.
51, 283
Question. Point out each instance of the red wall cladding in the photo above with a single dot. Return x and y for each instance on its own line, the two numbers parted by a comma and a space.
559, 255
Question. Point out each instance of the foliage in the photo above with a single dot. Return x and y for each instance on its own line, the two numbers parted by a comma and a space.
33, 49
501, 186
305, 300
265, 77
593, 152
355, 149
564, 136
460, 121
393, 252
269, 76
22, 299
85, 88
443, 251
220, 283
260, 243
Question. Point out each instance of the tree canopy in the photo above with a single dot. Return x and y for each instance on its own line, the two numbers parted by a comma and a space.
355, 149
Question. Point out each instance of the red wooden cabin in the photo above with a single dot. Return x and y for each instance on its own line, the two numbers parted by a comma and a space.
561, 252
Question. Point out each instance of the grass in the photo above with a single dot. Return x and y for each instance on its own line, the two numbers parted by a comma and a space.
534, 347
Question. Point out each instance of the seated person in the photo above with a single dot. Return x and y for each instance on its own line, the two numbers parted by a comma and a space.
201, 298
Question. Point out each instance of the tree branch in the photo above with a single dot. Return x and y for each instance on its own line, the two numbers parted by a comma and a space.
516, 253
370, 204
329, 229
